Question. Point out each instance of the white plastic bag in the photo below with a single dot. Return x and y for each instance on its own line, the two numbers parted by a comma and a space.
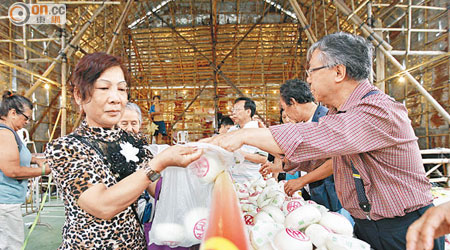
213, 161
181, 212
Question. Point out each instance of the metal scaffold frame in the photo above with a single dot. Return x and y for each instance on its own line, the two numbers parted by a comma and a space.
171, 47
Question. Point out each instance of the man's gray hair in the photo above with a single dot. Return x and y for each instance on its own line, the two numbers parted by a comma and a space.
352, 51
135, 107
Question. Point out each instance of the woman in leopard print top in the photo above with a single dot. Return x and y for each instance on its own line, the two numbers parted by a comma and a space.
99, 178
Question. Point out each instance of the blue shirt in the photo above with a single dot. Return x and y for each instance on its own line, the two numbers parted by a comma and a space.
14, 191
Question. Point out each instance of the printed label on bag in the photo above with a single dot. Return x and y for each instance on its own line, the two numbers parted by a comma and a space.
201, 167
292, 205
199, 229
249, 220
297, 235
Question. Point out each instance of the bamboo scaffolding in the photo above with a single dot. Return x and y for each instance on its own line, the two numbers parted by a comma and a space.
368, 32
259, 56
68, 50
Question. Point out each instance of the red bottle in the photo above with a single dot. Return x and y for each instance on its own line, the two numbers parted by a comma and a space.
225, 224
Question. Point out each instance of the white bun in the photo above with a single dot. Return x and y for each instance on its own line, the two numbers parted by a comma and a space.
274, 212
318, 234
302, 217
337, 223
170, 234
195, 223
344, 242
289, 239
208, 167
263, 232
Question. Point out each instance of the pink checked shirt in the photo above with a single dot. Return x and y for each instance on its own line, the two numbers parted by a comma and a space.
374, 133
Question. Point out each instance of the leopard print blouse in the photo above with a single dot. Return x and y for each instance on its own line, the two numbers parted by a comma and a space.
76, 167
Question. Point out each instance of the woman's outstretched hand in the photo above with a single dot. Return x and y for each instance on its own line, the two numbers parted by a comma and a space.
178, 155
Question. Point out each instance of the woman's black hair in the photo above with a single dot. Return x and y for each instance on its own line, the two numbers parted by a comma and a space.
13, 101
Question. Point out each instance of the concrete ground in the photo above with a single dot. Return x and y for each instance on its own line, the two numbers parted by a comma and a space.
47, 232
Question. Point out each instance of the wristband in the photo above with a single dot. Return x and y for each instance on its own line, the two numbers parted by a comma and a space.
43, 170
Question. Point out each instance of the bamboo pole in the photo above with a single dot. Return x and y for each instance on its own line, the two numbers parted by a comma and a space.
119, 24
63, 84
380, 66
46, 111
417, 66
56, 125
10, 57
213, 28
29, 72
357, 9
303, 21
48, 39
25, 45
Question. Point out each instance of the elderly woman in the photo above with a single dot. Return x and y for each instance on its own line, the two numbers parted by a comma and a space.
100, 168
131, 120
15, 112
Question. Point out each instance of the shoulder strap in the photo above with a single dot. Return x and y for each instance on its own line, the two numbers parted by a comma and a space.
372, 92
87, 143
320, 112
16, 136
359, 185
361, 192
157, 192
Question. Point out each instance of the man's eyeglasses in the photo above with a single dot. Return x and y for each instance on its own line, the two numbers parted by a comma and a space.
26, 117
309, 71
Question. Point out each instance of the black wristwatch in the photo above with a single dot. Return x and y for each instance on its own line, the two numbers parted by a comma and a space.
152, 175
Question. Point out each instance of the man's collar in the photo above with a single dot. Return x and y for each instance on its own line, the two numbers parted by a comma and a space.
363, 88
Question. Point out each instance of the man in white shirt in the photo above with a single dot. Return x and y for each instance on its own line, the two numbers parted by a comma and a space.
242, 113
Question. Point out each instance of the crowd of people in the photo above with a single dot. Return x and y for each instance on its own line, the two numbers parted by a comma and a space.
353, 144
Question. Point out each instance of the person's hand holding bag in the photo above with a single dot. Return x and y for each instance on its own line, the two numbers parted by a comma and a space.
177, 155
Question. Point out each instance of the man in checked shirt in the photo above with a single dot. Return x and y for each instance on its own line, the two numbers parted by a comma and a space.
364, 128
